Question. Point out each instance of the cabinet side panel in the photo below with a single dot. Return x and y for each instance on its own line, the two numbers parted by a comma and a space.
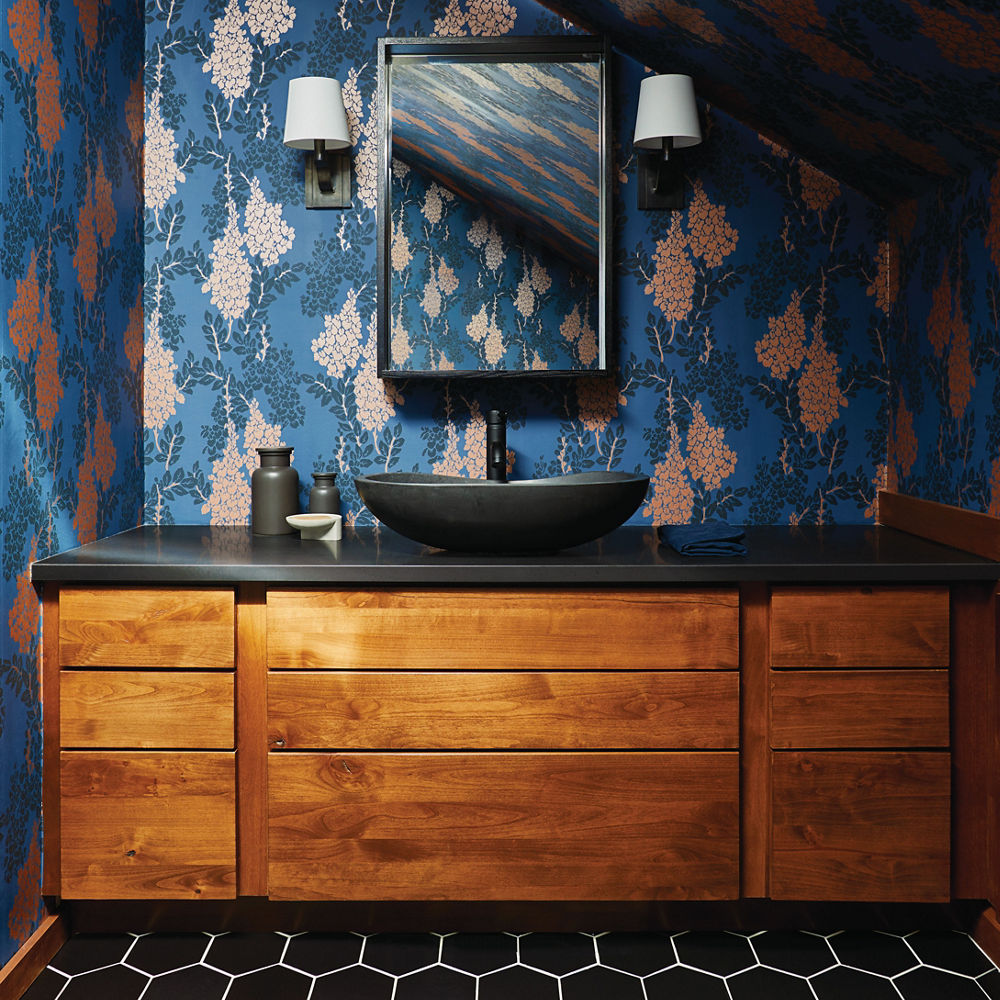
50, 739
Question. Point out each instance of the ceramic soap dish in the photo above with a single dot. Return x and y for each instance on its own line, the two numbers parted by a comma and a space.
322, 527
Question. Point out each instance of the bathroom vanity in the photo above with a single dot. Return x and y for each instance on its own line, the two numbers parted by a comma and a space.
229, 716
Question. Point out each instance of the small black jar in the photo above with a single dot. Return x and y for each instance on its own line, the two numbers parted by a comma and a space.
324, 497
274, 492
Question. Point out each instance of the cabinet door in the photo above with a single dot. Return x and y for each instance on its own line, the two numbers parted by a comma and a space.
145, 825
862, 825
492, 826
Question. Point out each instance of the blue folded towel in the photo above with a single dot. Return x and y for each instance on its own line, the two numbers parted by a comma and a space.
710, 538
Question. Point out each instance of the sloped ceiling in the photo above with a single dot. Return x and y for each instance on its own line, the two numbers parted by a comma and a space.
889, 96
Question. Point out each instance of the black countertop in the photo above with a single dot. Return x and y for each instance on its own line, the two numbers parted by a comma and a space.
631, 555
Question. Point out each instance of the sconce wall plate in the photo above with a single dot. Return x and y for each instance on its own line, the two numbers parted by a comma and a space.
671, 193
340, 175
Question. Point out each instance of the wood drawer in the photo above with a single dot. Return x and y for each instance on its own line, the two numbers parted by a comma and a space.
139, 627
503, 629
861, 826
147, 825
525, 826
146, 709
859, 627
859, 708
483, 711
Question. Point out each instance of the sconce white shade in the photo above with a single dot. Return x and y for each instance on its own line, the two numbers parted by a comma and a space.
316, 111
667, 108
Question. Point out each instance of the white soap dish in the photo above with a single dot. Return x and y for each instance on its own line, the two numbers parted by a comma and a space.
323, 527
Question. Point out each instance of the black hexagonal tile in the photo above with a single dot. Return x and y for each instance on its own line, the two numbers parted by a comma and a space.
401, 953
949, 950
715, 951
793, 951
933, 984
321, 953
240, 953
196, 982
114, 981
436, 983
86, 952
479, 953
47, 986
557, 953
519, 982
990, 983
687, 983
156, 953
841, 983
599, 983
873, 951
356, 983
766, 984
277, 981
642, 954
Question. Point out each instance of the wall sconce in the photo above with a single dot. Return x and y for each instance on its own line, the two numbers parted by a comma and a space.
316, 120
667, 120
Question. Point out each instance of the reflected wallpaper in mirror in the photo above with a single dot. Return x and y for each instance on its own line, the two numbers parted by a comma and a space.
494, 239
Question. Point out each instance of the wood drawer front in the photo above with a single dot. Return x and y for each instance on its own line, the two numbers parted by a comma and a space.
176, 628
146, 709
859, 708
859, 627
530, 826
504, 630
147, 825
484, 711
869, 826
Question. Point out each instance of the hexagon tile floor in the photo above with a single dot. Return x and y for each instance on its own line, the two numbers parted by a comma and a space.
850, 965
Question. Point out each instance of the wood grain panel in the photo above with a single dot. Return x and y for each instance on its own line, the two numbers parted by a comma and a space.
962, 529
50, 740
484, 710
868, 826
147, 709
859, 626
755, 754
504, 629
529, 826
137, 627
859, 708
147, 825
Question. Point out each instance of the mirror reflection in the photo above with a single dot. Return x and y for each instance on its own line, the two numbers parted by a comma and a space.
492, 229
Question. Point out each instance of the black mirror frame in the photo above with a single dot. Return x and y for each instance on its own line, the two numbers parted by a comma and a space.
516, 46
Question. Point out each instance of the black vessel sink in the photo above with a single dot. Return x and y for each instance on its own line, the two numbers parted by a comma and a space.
482, 515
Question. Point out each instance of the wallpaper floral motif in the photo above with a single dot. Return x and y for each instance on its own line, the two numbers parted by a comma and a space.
71, 357
749, 338
945, 429
890, 97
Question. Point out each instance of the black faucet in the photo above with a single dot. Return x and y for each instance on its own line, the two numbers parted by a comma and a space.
496, 445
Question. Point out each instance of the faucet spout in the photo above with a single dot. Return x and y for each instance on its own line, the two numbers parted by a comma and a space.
496, 445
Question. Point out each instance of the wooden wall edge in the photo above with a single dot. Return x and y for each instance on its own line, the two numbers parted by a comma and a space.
939, 522
986, 933
32, 957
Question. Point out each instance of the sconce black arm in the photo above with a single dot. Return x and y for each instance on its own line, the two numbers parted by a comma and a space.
324, 175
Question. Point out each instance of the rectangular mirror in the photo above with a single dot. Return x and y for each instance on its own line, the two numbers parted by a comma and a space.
493, 207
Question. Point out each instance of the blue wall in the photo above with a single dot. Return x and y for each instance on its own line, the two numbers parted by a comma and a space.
70, 356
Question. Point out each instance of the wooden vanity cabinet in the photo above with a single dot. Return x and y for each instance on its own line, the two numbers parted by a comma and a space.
520, 745
860, 762
145, 744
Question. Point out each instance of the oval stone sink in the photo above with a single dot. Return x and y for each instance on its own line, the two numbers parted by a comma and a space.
482, 515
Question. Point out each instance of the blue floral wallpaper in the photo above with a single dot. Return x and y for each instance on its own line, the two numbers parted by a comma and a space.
945, 434
71, 354
750, 330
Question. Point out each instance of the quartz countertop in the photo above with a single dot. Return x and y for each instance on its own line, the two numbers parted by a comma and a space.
630, 555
